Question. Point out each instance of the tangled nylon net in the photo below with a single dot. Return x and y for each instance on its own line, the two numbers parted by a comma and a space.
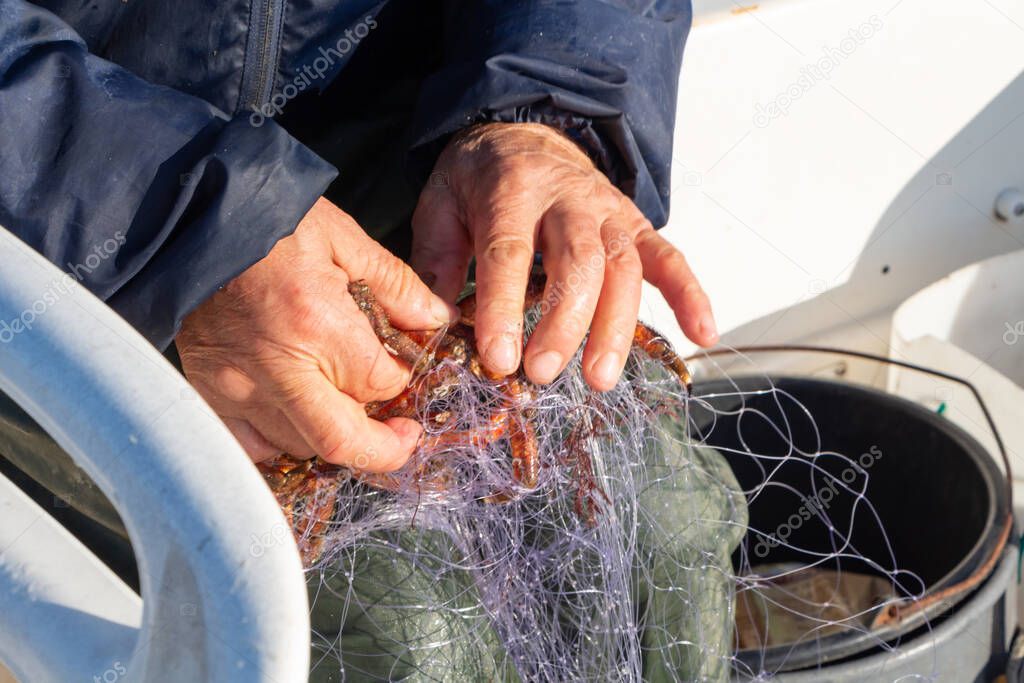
632, 559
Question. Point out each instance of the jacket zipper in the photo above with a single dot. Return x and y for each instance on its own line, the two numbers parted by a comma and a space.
261, 53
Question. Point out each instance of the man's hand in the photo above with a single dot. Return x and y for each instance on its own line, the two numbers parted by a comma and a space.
503, 191
287, 359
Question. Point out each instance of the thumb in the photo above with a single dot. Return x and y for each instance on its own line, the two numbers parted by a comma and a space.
408, 301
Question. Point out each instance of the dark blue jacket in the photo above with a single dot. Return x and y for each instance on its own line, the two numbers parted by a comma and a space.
138, 150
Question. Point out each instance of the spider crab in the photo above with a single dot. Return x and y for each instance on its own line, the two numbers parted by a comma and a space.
307, 489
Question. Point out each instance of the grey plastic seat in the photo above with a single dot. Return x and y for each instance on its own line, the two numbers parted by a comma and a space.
216, 604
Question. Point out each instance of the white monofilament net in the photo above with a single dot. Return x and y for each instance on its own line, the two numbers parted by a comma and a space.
636, 572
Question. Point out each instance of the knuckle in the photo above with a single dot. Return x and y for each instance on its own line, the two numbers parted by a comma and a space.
632, 214
642, 224
336, 448
232, 384
367, 372
391, 385
666, 253
645, 235
690, 291
383, 266
307, 315
617, 242
608, 198
586, 249
507, 251
398, 280
626, 262
325, 437
363, 393
380, 385
329, 440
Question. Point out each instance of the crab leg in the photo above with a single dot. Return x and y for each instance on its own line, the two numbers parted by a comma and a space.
320, 499
301, 482
400, 343
658, 349
521, 438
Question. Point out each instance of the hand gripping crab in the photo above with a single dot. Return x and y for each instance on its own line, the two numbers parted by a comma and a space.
307, 489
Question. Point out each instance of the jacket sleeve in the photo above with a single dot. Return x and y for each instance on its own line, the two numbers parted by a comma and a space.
604, 71
150, 197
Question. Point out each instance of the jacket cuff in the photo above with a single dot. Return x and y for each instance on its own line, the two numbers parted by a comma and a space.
579, 129
606, 140
604, 72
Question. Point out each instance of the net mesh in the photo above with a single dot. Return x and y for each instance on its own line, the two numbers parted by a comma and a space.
633, 557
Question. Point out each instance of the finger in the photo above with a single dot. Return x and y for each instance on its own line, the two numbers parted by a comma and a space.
360, 364
275, 429
256, 446
340, 432
667, 269
441, 249
504, 257
611, 333
342, 344
410, 303
261, 429
574, 260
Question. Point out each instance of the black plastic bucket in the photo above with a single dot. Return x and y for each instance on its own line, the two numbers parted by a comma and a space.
939, 496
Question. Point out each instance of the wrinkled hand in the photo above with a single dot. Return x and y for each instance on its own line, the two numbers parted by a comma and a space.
500, 192
287, 359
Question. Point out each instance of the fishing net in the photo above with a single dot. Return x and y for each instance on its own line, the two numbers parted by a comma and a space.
631, 559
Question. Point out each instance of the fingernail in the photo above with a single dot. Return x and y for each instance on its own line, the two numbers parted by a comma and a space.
607, 368
708, 329
408, 432
546, 366
443, 311
501, 357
